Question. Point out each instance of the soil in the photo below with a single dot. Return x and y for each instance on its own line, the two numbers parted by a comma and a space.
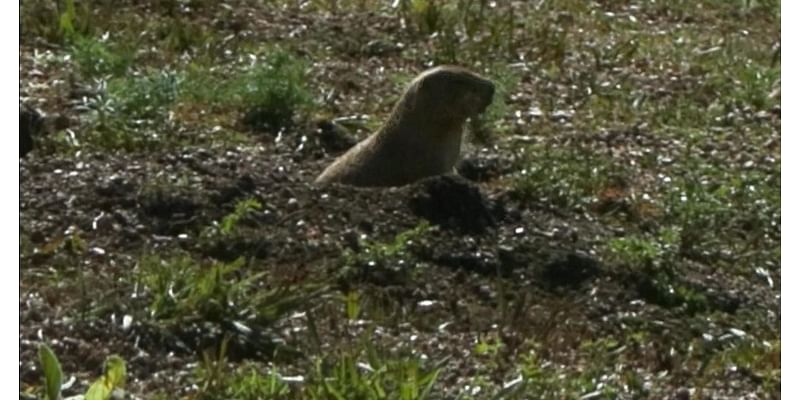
118, 207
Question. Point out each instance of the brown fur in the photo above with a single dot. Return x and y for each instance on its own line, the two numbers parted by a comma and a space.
422, 137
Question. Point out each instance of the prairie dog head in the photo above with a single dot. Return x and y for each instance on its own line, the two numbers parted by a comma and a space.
452, 92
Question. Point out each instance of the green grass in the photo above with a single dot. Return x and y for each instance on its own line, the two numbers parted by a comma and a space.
245, 383
365, 374
57, 21
376, 377
146, 97
135, 109
685, 86
763, 359
180, 289
183, 293
566, 176
272, 92
231, 220
380, 262
96, 57
592, 371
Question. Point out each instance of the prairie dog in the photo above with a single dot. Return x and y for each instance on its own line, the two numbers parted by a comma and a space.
422, 137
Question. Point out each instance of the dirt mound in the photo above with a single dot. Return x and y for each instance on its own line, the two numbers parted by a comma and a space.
453, 203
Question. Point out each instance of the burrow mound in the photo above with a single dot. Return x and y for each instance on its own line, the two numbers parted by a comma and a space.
453, 203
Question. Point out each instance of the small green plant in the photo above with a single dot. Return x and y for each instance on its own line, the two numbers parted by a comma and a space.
129, 113
489, 349
352, 301
377, 377
212, 370
383, 262
66, 19
246, 382
183, 291
543, 379
57, 21
180, 288
52, 372
113, 378
654, 260
147, 97
115, 136
642, 252
96, 57
231, 238
489, 346
230, 222
249, 384
272, 92
589, 372
202, 85
114, 372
